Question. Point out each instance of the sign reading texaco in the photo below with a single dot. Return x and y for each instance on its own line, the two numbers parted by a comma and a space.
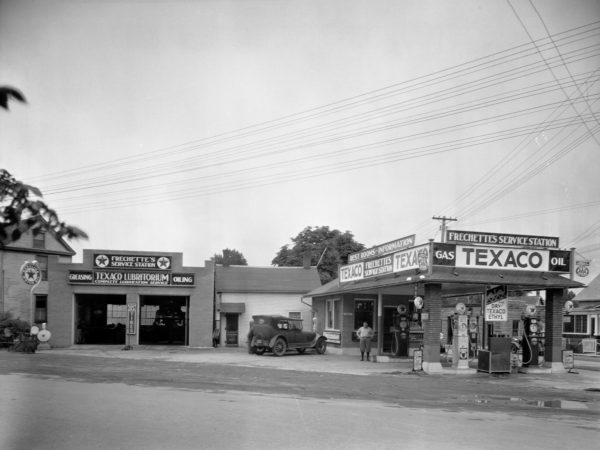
583, 268
31, 273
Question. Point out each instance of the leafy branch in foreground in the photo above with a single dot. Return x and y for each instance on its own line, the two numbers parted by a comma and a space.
22, 210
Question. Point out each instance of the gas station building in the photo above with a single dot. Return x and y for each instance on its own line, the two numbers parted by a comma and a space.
484, 289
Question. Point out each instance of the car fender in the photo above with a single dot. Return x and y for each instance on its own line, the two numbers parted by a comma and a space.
274, 338
317, 337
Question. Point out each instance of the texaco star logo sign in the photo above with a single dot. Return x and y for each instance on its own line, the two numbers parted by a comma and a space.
31, 273
163, 263
102, 261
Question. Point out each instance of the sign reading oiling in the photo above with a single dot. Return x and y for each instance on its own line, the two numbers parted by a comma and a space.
412, 258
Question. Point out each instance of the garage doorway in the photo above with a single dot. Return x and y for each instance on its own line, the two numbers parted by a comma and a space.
101, 319
232, 329
164, 320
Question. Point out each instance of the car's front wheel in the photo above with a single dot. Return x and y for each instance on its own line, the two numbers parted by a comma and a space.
280, 347
321, 346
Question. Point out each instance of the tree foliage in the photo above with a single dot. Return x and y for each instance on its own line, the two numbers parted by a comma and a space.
10, 93
21, 205
327, 249
230, 257
22, 210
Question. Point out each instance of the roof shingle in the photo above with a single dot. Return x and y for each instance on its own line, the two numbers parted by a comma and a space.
266, 279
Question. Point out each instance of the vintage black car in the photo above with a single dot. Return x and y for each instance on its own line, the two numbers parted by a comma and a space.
278, 334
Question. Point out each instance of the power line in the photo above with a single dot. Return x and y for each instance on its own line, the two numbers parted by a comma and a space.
436, 77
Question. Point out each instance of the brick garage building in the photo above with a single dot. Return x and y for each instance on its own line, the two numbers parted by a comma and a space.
111, 297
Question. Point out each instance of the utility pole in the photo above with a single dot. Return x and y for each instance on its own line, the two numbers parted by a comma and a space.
444, 219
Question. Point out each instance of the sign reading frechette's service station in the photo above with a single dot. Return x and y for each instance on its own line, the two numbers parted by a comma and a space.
476, 237
149, 262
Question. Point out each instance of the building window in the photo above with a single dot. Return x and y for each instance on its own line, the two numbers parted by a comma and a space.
39, 240
363, 312
42, 261
41, 309
295, 315
515, 328
332, 314
575, 324
148, 314
116, 314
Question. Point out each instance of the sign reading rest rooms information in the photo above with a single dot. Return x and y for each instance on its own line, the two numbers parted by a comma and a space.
383, 249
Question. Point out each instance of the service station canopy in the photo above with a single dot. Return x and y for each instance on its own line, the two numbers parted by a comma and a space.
465, 263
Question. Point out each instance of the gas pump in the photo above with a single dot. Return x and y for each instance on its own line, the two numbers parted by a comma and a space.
533, 337
460, 338
401, 332
473, 332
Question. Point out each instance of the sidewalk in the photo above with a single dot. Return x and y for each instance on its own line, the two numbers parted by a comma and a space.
238, 356
584, 376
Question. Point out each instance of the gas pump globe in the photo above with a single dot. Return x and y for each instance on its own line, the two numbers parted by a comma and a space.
401, 332
472, 336
461, 338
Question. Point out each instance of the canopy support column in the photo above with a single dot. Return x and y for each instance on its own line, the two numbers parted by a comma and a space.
379, 324
432, 328
555, 300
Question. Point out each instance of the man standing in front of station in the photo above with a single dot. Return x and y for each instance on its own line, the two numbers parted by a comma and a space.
365, 333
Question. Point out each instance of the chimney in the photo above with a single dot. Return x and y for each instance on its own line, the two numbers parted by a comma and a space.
306, 261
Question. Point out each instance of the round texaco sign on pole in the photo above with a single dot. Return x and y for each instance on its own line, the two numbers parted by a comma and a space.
31, 273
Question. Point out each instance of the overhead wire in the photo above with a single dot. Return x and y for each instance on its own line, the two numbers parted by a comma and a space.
485, 177
159, 169
332, 168
332, 131
332, 107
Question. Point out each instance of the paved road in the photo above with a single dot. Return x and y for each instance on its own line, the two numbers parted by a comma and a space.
91, 398
318, 376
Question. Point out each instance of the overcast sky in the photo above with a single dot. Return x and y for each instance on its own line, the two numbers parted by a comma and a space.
194, 126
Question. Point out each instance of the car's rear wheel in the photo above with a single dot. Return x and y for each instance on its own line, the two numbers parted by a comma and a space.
280, 347
301, 350
259, 350
321, 346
